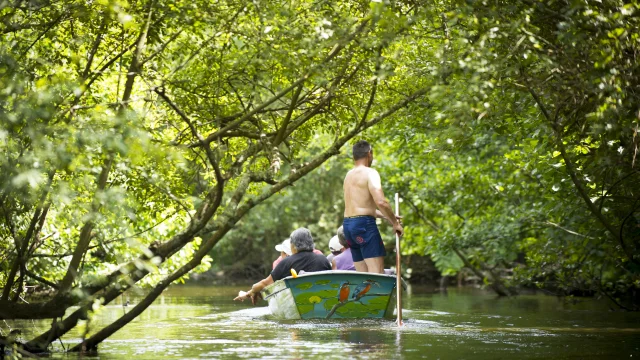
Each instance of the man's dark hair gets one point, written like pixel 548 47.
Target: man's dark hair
pixel 361 149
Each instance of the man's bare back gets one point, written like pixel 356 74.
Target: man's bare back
pixel 357 197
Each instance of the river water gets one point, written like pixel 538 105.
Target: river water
pixel 197 322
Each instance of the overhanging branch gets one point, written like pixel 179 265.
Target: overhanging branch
pixel 332 54
pixel 571 170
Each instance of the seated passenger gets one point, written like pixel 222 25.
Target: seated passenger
pixel 335 247
pixel 302 258
pixel 344 261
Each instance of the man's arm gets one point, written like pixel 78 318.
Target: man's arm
pixel 255 290
pixel 375 189
pixel 380 215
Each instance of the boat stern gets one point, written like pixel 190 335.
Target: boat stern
pixel 332 295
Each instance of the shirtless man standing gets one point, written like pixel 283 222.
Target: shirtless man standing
pixel 362 194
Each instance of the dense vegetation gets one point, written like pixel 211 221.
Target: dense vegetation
pixel 136 135
pixel 520 163
pixel 526 159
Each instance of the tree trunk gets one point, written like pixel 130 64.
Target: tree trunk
pixel 103 334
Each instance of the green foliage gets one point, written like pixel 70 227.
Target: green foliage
pixel 524 156
pixel 136 135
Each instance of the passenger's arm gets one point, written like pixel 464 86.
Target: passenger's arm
pixel 333 264
pixel 375 189
pixel 254 293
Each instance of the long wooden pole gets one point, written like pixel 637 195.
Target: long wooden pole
pixel 398 270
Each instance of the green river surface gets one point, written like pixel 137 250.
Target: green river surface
pixel 197 322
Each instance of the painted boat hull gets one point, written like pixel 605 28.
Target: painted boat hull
pixel 317 296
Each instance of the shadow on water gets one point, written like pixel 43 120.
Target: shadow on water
pixel 196 322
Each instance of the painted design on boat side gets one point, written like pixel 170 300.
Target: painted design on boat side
pixel 342 296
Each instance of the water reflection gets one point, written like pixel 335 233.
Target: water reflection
pixel 370 341
pixel 203 322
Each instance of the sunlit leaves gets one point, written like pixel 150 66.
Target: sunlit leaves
pixel 482 163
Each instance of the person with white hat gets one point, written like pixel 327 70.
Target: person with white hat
pixel 285 250
pixel 335 247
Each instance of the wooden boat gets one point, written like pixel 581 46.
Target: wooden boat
pixel 333 294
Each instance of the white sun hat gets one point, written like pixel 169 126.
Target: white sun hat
pixel 334 244
pixel 285 246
